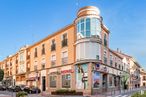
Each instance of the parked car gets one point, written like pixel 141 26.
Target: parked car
pixel 27 89
pixel 22 87
pixel 2 88
pixel 14 88
pixel 35 90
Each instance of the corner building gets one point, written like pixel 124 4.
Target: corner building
pixel 77 57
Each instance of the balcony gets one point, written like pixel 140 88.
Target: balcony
pixel 28 57
pixel 53 63
pixel 28 69
pixel 64 60
pixel 53 47
pixel 64 42
pixel 43 51
pixel 43 66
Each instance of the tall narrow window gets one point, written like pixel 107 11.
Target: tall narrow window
pixel 105 40
pixel 53 60
pixel 64 40
pixel 88 27
pixel 64 58
pixel 53 45
pixel 111 60
pixel 82 26
pixel 43 49
pixel 35 53
pixel 53 80
pixel 66 81
pixel 105 58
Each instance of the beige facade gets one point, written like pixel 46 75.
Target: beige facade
pixel 142 78
pixel 76 57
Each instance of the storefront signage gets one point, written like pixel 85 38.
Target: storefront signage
pixel 67 71
pixel 55 72
pixel 97 67
pixel 104 69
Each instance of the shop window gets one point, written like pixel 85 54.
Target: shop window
pixel 53 81
pixel 110 80
pixel 96 79
pixel 66 81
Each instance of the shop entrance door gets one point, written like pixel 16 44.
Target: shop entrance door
pixel 43 83
pixel 104 83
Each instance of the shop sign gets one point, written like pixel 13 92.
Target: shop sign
pixel 55 72
pixel 104 69
pixel 97 67
pixel 67 71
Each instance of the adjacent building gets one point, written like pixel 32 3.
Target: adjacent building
pixel 75 57
pixel 142 78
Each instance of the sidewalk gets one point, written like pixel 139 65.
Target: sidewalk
pixel 107 94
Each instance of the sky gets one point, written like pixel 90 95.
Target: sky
pixel 25 22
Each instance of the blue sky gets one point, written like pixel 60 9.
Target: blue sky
pixel 27 21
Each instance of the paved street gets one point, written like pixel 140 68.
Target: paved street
pixel 108 94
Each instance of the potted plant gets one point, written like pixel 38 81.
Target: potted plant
pixel 21 94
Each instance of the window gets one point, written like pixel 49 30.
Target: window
pixel 66 81
pixel 53 45
pixel 115 64
pixel 64 58
pixel 105 40
pixel 64 40
pixel 21 56
pixel 105 58
pixel 110 80
pixel 53 60
pixel 43 49
pixel 35 66
pixel 53 81
pixel 82 26
pixel 43 63
pixel 115 80
pixel 35 52
pixel 89 27
pixel 111 61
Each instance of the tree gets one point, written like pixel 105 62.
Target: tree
pixel 1 74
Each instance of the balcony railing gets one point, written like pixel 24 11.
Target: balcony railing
pixel 64 42
pixel 53 47
pixel 53 63
pixel 28 57
pixel 28 69
pixel 43 66
pixel 64 60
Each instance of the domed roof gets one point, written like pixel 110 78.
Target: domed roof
pixel 88 10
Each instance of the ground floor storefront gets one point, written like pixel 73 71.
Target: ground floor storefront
pixel 89 78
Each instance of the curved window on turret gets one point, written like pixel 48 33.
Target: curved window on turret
pixel 88 27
